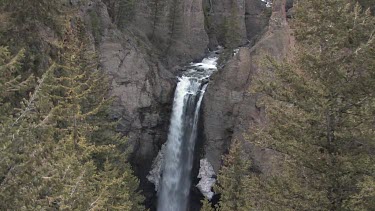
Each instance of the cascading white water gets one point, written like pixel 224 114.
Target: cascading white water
pixel 178 161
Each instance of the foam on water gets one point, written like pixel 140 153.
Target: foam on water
pixel 175 183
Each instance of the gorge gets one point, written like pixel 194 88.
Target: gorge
pixel 187 105
pixel 144 85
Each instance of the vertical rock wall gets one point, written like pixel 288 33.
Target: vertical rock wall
pixel 244 19
pixel 141 58
pixel 225 18
pixel 229 109
pixel 139 55
pixel 174 27
pixel 256 19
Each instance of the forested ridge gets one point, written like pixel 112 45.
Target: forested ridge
pixel 59 148
pixel 320 105
pixel 62 144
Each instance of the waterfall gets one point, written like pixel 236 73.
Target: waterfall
pixel 178 161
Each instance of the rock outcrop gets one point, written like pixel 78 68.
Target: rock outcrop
pixel 256 19
pixel 238 22
pixel 175 28
pixel 226 20
pixel 229 109
pixel 155 173
pixel 141 86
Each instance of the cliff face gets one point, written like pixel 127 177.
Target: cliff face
pixel 175 28
pixel 142 56
pixel 239 21
pixel 229 108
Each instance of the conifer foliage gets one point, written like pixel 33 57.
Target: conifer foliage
pixel 58 148
pixel 232 179
pixel 320 105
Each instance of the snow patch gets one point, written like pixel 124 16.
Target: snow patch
pixel 156 169
pixel 207 178
pixel 268 3
pixel 235 51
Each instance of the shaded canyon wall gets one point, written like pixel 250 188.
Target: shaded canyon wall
pixel 229 109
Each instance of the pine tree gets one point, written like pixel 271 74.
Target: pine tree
pixel 22 23
pixel 20 149
pixel 288 191
pixel 320 107
pixel 11 81
pixel 25 11
pixel 363 200
pixel 60 151
pixel 14 86
pixel 368 4
pixel 79 91
pixel 206 205
pixel 231 180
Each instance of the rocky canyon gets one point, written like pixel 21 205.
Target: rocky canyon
pixel 145 50
pixel 185 105
pixel 144 54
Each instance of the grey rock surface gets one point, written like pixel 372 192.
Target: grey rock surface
pixel 289 4
pixel 229 110
pixel 155 173
pixel 141 87
pixel 141 60
pixel 246 19
pixel 256 19
pixel 175 28
pixel 225 18
pixel 143 90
